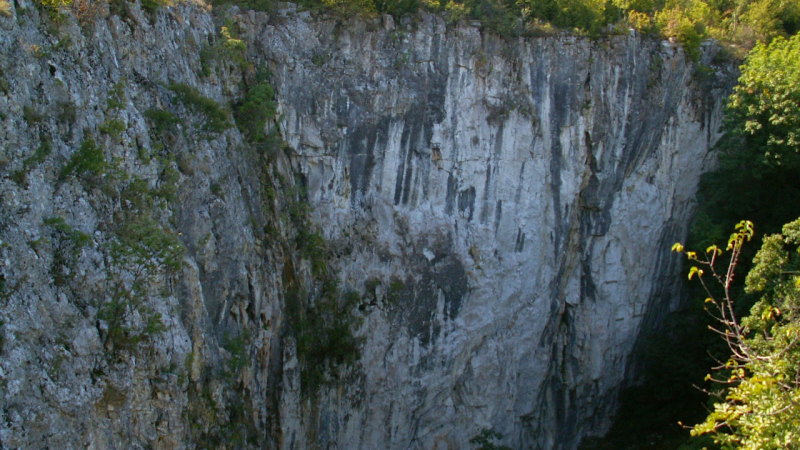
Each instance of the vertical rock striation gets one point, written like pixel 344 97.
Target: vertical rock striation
pixel 522 194
pixel 502 208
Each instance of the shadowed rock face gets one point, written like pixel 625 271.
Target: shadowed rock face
pixel 504 208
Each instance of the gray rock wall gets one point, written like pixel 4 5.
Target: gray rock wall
pixel 503 208
pixel 525 192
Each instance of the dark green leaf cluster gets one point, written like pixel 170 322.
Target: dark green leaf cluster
pixel 162 120
pixel 237 347
pixel 143 242
pixel 216 117
pixel 322 322
pixel 39 156
pixel 485 440
pixel 68 243
pixel 759 164
pixel 88 163
pixel 256 108
pixel 324 333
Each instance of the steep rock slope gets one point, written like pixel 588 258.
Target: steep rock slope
pixel 496 217
pixel 522 195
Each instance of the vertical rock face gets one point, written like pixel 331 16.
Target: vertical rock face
pixel 503 208
pixel 521 194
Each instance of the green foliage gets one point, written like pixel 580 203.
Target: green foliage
pixel 758 410
pixel 396 287
pixel 237 350
pixel 322 322
pixel 228 48
pixel 678 24
pixel 116 96
pixel 54 7
pixel 162 120
pixel 39 156
pixel 216 117
pixel 758 156
pixel 77 238
pixel 766 103
pixel 152 6
pixel 499 16
pixel 141 248
pixel 54 3
pixel 216 189
pixel 485 440
pixel 587 16
pixel 5 87
pixel 88 163
pixel 112 127
pixel 129 322
pixel 67 113
pixel 31 116
pixel 255 109
pixel 68 245
pixel 324 333
pixel 142 243
pixel 313 247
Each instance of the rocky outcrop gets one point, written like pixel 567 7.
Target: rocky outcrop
pixel 498 210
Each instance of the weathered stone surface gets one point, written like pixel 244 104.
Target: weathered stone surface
pixel 525 192
pixel 505 208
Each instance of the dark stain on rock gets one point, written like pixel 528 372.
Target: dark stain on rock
pixel 485 208
pixel 452 186
pixel 498 214
pixel 466 201
pixel 414 299
pixel 519 244
pixel 361 151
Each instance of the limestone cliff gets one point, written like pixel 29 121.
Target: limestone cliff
pixel 496 215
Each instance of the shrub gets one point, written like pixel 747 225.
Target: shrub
pixel 152 6
pixel 116 96
pixel 216 117
pixel 39 156
pixel 31 116
pixel 255 109
pixel 237 349
pixel 228 48
pixel 162 120
pixel 88 162
pixel 69 243
pixel 112 127
pixel 675 23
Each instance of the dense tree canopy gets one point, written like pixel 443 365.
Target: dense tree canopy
pixel 740 23
pixel 759 177
pixel 759 407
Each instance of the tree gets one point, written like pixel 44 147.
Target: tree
pixel 766 103
pixel 759 407
pixel 759 155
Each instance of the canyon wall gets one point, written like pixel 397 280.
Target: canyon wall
pixel 498 212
